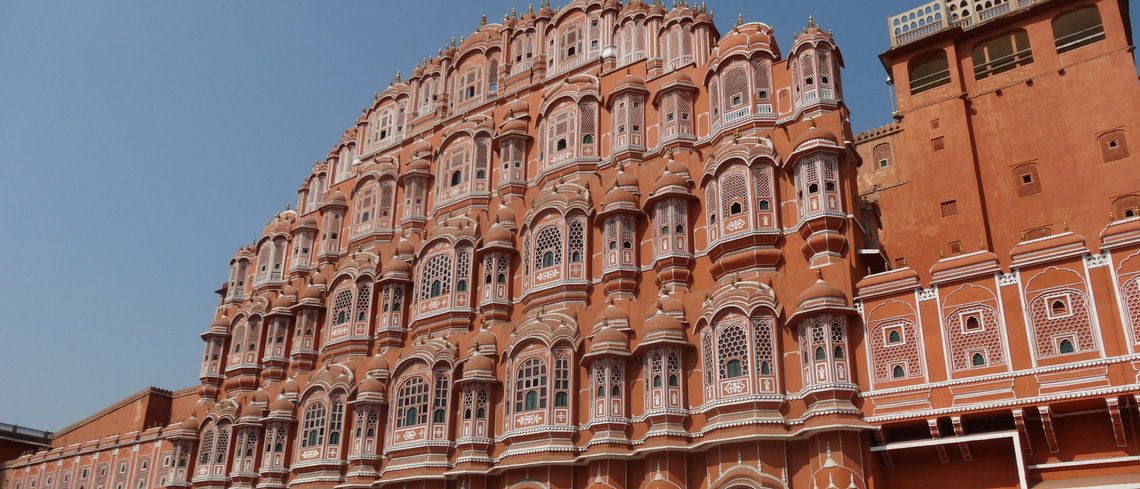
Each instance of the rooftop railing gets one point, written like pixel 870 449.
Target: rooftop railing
pixel 933 17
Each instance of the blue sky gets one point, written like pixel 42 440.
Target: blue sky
pixel 141 143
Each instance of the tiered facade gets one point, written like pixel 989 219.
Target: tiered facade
pixel 607 246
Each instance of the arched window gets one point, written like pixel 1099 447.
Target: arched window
pixel 978 360
pixel 436 276
pixel 928 70
pixel 530 385
pixel 456 177
pixel 733 369
pixel 972 324
pixel 313 425
pixel 336 421
pixel 897 372
pixel 1058 308
pixel 1002 53
pixel 894 337
pixel 1078 28
pixel 820 354
pixel 1066 346
pixel 837 353
pixel 732 346
pixel 561 144
pixel 411 402
pixel 561 380
pixel 548 247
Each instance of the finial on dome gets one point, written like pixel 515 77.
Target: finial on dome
pixel 941 253
pixel 811 122
pixel 483 21
pixel 398 76
pixel 530 8
pixel 1066 226
pixel 739 20
pixel 452 41
pixel 819 274
pixel 811 21
pixel 736 136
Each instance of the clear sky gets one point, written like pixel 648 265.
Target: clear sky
pixel 142 142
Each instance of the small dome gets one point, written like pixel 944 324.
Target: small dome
pixel 618 196
pixel 281 404
pixel 397 265
pixel 405 246
pixel 669 179
pixel 289 289
pixel 680 78
pixel 371 386
pixel 422 146
pixel 815 133
pixel 613 313
pixel 663 322
pixel 338 198
pixel 485 337
pixel 518 108
pixel 515 125
pixel 419 165
pixel 676 167
pixel 308 223
pixel 250 410
pixel 478 363
pixel 821 289
pixel 624 179
pixel 505 214
pixel 609 335
pixel 290 387
pixel 318 278
pixel 260 395
pixel 498 232
pixel 190 423
pixel 378 363
pixel 310 293
pixel 222 322
pixel 282 300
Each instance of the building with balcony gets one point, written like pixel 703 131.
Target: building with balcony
pixel 610 246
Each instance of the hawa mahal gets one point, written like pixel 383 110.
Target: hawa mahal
pixel 608 246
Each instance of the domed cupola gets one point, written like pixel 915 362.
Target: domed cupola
pixel 814 63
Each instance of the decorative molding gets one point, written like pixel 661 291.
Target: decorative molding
pixel 928 294
pixel 1097 260
pixel 1006 279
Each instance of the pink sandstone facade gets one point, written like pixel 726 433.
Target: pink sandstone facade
pixel 609 246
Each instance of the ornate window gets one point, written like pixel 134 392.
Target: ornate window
pixel 313 425
pixel 608 389
pixel 1061 323
pixel 435 279
pixel 630 41
pixel 620 243
pixel 571 45
pixel 548 247
pixel 561 380
pixel 512 152
pixel 895 350
pixel 1078 28
pixel 302 250
pixel 817 185
pixel 271 261
pixel 364 206
pixel 928 70
pixel 1027 180
pixel 1113 146
pixel 676 109
pixel 530 386
pixel 883 155
pixel 475 411
pixel 439 400
pixel 628 121
pixel 330 233
pixel 523 49
pixel 663 379
pixel 412 403
pixel 739 357
pixel 823 350
pixel 1002 54
pixel 238 271
pixel 470 85
pixel 344 162
pixel 670 226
